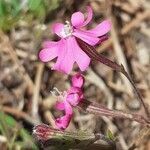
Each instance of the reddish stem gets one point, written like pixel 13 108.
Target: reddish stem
pixel 93 54
pixel 98 109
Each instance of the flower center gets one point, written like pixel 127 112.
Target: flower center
pixel 58 94
pixel 67 30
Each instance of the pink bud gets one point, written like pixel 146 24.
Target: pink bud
pixel 75 95
pixel 63 122
pixel 43 132
pixel 77 80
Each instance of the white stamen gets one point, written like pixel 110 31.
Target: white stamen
pixel 67 30
pixel 55 92
pixel 58 94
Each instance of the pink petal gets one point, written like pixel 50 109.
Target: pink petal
pixel 60 105
pixel 68 108
pixel 101 29
pixel 73 99
pixel 63 122
pixel 48 54
pixel 81 58
pixel 57 28
pixel 77 19
pixel 89 16
pixel 47 44
pixel 64 105
pixel 75 95
pixel 87 37
pixel 77 80
pixel 65 59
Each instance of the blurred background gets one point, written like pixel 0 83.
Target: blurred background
pixel 25 82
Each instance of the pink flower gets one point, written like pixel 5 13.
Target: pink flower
pixel 66 50
pixel 63 122
pixel 69 99
pixel 77 80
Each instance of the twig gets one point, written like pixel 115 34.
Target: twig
pixel 120 57
pixel 6 45
pixel 139 139
pixel 3 139
pixel 126 29
pixel 35 99
pixel 19 114
pixel 106 44
pixel 122 142
pixel 135 22
pixel 146 107
pixel 94 78
pixel 49 118
pixel 48 102
pixel 125 6
pixel 113 128
pixel 24 54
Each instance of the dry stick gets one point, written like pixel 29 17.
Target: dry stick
pixel 104 45
pixel 35 99
pixel 145 132
pixel 92 53
pixel 127 28
pixel 24 54
pixel 98 109
pixel 126 7
pixel 120 57
pixel 49 118
pixel 140 17
pixel 114 129
pixel 146 107
pixel 8 47
pixel 19 114
pixel 96 80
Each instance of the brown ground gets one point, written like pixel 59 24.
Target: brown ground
pixel 25 82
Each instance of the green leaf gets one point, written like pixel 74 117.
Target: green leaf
pixel 110 135
pixel 34 4
pixel 15 7
pixel 2 8
pixel 52 4
pixel 8 123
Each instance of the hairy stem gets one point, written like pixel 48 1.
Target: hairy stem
pixel 146 108
pixel 93 54
pixel 100 110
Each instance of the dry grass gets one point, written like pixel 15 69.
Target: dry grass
pixel 25 82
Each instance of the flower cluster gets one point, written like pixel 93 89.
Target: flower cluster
pixel 68 51
pixel 69 99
